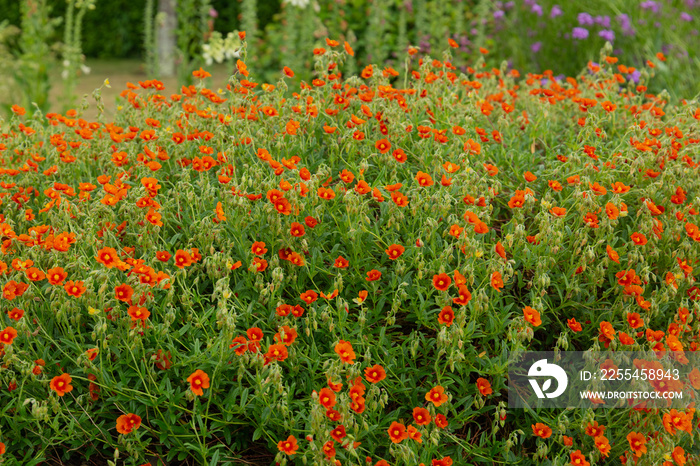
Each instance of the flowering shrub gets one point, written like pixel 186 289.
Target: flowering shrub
pixel 338 276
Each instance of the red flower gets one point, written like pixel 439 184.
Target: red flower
pixel 127 423
pixel 397 432
pixel 442 281
pixel 61 384
pixel 375 374
pixel 436 395
pixel 421 416
pixel 288 446
pixel 446 316
pixel 394 251
pixel 198 381
pixel 345 351
pixel 484 386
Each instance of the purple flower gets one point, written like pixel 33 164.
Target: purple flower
pixel 650 5
pixel 607 34
pixel 213 13
pixel 625 24
pixel 579 33
pixel 603 21
pixel 584 19
pixel 509 5
pixel 536 9
pixel 556 11
pixel 686 17
pixel 635 76
pixel 536 47
pixel 498 14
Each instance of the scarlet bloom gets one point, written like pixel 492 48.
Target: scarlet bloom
pixel 436 395
pixel 8 335
pixel 541 430
pixel 75 289
pixel 442 281
pixel 497 281
pixel 532 316
pixel 637 443
pixel 258 248
pixel 421 416
pixel 373 275
pixel 578 459
pixel 484 386
pixel 297 229
pixel 397 432
pixel 573 325
pixel 446 316
pixel 288 446
pixel 326 397
pixel 56 275
pixel 309 296
pixel 107 257
pixel 383 146
pixel 341 263
pixel 61 384
pixel 163 256
pixel 182 259
pixel 138 313
pixel 394 251
pixel 424 179
pixel 127 423
pixel 639 239
pixel 198 380
pixel 345 351
pixel 441 421
pixel 123 292
pixel 375 374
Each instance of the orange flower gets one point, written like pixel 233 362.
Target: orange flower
pixel 383 146
pixel 578 459
pixel 484 386
pixel 394 251
pixel 107 257
pixel 258 248
pixel 8 335
pixel 436 395
pixel 497 281
pixel 309 296
pixel 441 421
pixel 446 316
pixel 127 423
pixel 558 211
pixel 375 374
pixel 637 443
pixel 373 275
pixel 182 259
pixel 442 281
pixel 612 254
pixel 123 292
pixel 138 313
pixel 397 432
pixel 326 397
pixel 532 316
pixel 421 416
pixel 345 351
pixel 341 263
pixel 542 430
pixel 75 289
pixel 529 177
pixel 56 275
pixel 638 239
pixel 61 384
pixel 424 179
pixel 198 380
pixel 288 446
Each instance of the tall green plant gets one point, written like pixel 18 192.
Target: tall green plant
pixel 149 41
pixel 33 56
pixel 72 52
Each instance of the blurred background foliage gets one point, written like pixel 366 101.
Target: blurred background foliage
pixel 532 35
